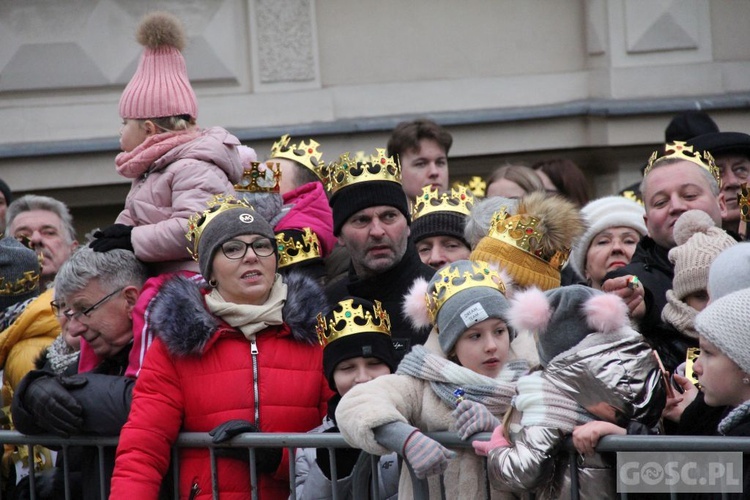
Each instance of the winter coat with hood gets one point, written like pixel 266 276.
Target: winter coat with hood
pixel 174 175
pixel 200 373
pixel 612 375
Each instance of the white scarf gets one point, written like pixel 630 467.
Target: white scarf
pixel 250 319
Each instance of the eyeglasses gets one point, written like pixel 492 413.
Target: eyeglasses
pixel 59 309
pixel 236 249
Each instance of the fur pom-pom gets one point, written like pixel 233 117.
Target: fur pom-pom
pixel 606 312
pixel 560 221
pixel 415 305
pixel 161 28
pixel 530 310
pixel 691 222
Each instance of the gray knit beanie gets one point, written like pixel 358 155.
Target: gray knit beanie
pixel 730 271
pixel 225 226
pixel 724 323
pixel 19 273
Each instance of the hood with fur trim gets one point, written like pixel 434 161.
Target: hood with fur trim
pixel 180 318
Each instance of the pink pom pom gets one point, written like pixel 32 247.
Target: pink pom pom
pixel 530 310
pixel 606 313
pixel 415 305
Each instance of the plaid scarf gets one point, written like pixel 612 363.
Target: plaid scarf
pixel 446 377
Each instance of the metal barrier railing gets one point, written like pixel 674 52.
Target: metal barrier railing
pixel 367 482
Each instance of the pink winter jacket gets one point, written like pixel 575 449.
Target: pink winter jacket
pixel 310 209
pixel 173 177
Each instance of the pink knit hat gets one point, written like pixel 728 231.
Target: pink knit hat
pixel 160 86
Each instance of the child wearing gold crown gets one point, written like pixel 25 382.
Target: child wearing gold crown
pixel 357 348
pixel 461 380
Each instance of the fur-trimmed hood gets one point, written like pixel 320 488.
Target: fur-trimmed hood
pixel 180 318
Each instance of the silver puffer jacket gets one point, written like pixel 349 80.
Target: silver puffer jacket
pixel 614 377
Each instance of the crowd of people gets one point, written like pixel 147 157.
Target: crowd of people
pixel 365 294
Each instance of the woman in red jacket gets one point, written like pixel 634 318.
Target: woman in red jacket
pixel 239 356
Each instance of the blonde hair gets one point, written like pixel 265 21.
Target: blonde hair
pixel 522 175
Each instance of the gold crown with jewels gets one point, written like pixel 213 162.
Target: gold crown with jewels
pixel 679 150
pixel 306 153
pixel 347 171
pixel 25 284
pixel 458 200
pixel 255 180
pixel 198 221
pixel 451 281
pixel 352 320
pixel 521 232
pixel 295 248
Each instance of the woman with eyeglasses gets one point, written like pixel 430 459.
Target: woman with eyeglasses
pixel 239 355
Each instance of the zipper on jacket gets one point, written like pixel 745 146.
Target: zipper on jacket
pixel 194 490
pixel 254 355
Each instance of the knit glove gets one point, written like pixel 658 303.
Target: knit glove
pixel 346 459
pixel 54 409
pixel 111 237
pixel 497 440
pixel 426 456
pixel 472 417
pixel 267 460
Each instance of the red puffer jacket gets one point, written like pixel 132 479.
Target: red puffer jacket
pixel 198 374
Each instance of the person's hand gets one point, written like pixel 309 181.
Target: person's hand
pixel 54 409
pixel 346 459
pixel 267 460
pixel 497 440
pixel 586 436
pixel 472 417
pixel 676 405
pixel 426 456
pixel 630 289
pixel 111 237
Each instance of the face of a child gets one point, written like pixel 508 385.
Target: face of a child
pixel 483 348
pixel 697 300
pixel 720 377
pixel 132 134
pixel 359 370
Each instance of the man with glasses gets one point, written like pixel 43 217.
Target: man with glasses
pixel 96 294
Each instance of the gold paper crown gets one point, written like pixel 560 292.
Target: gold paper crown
pixel 476 186
pixel 743 200
pixel 198 221
pixel 297 248
pixel 347 171
pixel 682 151
pixel 306 154
pixel 521 232
pixel 255 181
pixel 356 319
pixel 25 284
pixel 458 200
pixel 451 281
pixel 632 196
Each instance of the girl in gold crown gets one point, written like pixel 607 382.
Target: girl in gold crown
pixel 461 380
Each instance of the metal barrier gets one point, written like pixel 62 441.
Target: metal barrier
pixel 366 483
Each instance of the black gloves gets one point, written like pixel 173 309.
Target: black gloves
pixel 346 459
pixel 111 237
pixel 267 460
pixel 53 408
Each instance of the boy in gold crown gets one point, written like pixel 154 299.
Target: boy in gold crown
pixel 438 222
pixel 357 348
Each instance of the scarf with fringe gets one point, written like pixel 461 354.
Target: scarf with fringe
pixel 446 377
pixel 542 404
pixel 250 319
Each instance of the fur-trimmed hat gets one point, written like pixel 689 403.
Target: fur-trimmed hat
pixel 730 271
pixel 19 273
pixel 459 295
pixel 724 323
pixel 562 317
pixel 601 214
pixel 558 224
pixel 160 86
pixel 374 343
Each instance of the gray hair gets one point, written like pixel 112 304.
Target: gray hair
pixel 671 161
pixel 30 202
pixel 114 269
pixel 478 220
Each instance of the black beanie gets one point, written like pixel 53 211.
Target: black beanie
pixel 439 224
pixel 355 197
